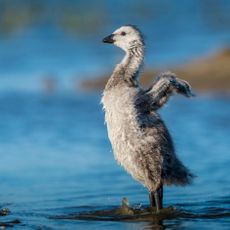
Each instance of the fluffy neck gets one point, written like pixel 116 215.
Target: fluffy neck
pixel 128 70
pixel 133 60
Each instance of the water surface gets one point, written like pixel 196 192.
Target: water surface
pixel 56 160
pixel 62 40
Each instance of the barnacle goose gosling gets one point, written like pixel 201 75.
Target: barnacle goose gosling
pixel 140 140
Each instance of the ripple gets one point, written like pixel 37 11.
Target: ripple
pixel 142 214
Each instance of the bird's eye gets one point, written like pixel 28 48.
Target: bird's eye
pixel 123 33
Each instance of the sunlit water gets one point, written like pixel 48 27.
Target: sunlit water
pixel 56 160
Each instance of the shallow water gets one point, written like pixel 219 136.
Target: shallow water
pixel 56 161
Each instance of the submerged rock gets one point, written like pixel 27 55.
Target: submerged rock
pixel 124 213
pixel 125 209
pixel 4 212
pixel 10 223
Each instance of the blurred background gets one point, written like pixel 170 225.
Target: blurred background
pixel 54 151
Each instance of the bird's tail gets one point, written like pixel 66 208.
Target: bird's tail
pixel 179 175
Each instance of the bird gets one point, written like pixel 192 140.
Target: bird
pixel 140 140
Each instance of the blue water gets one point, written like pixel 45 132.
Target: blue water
pixel 44 45
pixel 56 160
pixel 55 155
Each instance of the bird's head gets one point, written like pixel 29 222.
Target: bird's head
pixel 126 37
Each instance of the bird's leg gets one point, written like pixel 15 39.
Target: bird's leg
pixel 157 198
pixel 152 200
pixel 157 201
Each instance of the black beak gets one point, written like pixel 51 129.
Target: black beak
pixel 109 39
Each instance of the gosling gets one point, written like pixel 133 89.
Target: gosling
pixel 140 141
